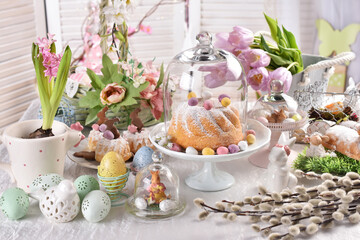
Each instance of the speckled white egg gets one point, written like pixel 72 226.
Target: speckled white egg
pixel 96 206
pixel 140 203
pixel 167 205
pixel 243 145
pixel 191 151
pixel 206 95
pixel 45 181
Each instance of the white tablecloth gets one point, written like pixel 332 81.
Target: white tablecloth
pixel 121 225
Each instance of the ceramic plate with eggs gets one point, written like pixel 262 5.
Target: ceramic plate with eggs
pixel 79 160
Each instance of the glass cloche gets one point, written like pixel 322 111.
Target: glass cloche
pixel 156 193
pixel 277 108
pixel 205 100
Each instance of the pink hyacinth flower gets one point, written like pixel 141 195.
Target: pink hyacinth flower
pixel 257 58
pixel 258 78
pixel 283 75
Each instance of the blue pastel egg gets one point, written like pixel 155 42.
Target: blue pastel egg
pixel 142 158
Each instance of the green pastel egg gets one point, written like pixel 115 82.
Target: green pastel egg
pixel 45 181
pixel 14 203
pixel 85 184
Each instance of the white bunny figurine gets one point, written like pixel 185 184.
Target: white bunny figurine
pixel 278 173
pixel 316 149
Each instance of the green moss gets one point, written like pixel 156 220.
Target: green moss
pixel 338 166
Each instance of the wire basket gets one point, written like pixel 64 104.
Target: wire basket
pixel 114 185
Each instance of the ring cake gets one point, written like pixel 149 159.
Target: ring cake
pixel 198 127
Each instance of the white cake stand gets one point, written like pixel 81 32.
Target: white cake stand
pixel 261 158
pixel 210 178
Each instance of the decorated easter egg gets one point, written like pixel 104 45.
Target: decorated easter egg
pixel 167 205
pixel 296 117
pixel 191 150
pixel 112 165
pixel 96 206
pixel 14 203
pixel 193 101
pixel 85 184
pixel 45 181
pixel 191 95
pixel 225 101
pixel 142 158
pixel 140 203
pixel 222 150
pixel 233 148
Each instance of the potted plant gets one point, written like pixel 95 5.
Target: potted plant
pixel 38 146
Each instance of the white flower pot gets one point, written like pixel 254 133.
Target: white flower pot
pixel 31 158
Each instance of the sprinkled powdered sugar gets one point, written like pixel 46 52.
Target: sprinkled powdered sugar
pixel 194 114
pixel 344 134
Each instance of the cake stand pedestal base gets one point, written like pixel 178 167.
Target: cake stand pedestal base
pixel 210 179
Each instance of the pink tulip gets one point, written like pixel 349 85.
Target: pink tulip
pixel 241 37
pixel 258 78
pixel 112 93
pixel 257 58
pixel 223 43
pixel 218 76
pixel 283 75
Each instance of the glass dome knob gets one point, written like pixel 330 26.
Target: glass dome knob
pixel 157 157
pixel 204 38
pixel 276 87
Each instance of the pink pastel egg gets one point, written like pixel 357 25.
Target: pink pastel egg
pixel 95 127
pixel 176 147
pixel 263 120
pixel 208 104
pixel 222 150
pixel 250 132
pixel 102 128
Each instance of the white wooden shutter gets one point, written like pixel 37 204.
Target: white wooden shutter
pixel 17 76
pixel 297 16
pixel 167 27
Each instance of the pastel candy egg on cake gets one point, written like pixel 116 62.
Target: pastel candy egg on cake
pixel 222 150
pixel 233 148
pixel 208 151
pixel 243 145
pixel 191 150
pixel 250 138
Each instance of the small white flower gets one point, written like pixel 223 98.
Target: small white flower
pixel 220 206
pixel 314 202
pixel 285 220
pixel 352 175
pixel 232 216
pixel 347 199
pixel 340 193
pixel 265 218
pixel 198 202
pixel 316 220
pixel 294 230
pixel 338 216
pixel 235 208
pixel 298 173
pixel 300 189
pixel 354 218
pixel 312 228
pixel 274 221
pixel 262 190
pixel 329 183
pixel 326 176
pixel 239 203
pixel 256 199
pixel 274 236
pixel 203 215
pixel 265 206
pixel 276 196
pixel 256 227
